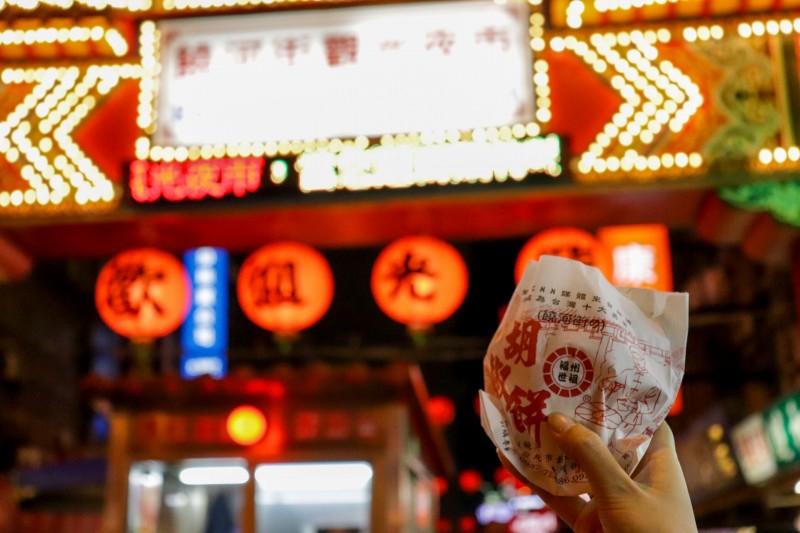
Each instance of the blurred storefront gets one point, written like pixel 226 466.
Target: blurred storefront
pixel 345 448
pixel 208 130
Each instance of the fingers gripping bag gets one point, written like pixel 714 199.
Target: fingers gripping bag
pixel 611 358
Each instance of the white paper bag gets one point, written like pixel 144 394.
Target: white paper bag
pixel 610 358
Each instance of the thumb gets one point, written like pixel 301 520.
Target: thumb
pixel 605 475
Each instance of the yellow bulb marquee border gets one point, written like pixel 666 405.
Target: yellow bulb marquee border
pixel 37 137
pixel 148 45
pixel 657 95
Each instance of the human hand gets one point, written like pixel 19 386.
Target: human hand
pixel 653 500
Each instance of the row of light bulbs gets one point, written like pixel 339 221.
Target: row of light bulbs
pixel 778 158
pixel 167 5
pixel 759 28
pixel 612 5
pixel 285 148
pixel 634 162
pixel 576 8
pixel 576 14
pixel 100 5
pixel 75 34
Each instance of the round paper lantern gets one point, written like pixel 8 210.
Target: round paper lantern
pixel 143 293
pixel 285 287
pixel 470 481
pixel 419 281
pixel 571 243
pixel 441 410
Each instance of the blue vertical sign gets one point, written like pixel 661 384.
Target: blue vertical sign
pixel 204 335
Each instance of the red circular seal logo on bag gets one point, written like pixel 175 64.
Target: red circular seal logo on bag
pixel 568 372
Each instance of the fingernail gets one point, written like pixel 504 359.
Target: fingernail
pixel 560 423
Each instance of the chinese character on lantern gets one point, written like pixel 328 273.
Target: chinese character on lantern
pixel 419 281
pixel 285 287
pixel 143 293
pixel 571 243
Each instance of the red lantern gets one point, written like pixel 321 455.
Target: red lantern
pixel 440 484
pixel 419 281
pixel 466 524
pixel 677 406
pixel 285 287
pixel 441 410
pixel 143 293
pixel 470 481
pixel 571 243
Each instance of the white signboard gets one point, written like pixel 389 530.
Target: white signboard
pixel 344 72
pixel 752 449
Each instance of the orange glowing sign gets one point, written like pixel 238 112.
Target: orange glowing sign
pixel 419 281
pixel 246 425
pixel 143 293
pixel 571 243
pixel 285 287
pixel 641 255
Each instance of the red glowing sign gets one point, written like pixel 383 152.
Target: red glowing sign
pixel 176 181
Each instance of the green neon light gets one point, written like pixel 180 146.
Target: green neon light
pixel 781 199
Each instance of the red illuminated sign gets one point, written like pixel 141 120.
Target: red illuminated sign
pixel 177 181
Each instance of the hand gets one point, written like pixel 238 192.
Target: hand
pixel 653 500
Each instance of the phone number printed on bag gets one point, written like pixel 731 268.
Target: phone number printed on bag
pixel 568 372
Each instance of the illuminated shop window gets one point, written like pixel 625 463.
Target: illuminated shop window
pixel 313 497
pixel 190 496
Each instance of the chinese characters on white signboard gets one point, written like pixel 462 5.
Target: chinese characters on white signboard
pixel 373 70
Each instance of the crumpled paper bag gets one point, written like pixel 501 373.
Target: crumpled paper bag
pixel 611 358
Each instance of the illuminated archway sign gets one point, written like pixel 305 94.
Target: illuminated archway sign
pixel 419 281
pixel 143 294
pixel 571 243
pixel 285 287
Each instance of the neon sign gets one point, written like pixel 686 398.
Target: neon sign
pixel 352 167
pixel 204 335
pixel 194 180
pixel 393 166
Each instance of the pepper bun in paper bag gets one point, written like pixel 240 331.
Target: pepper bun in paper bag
pixel 611 358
